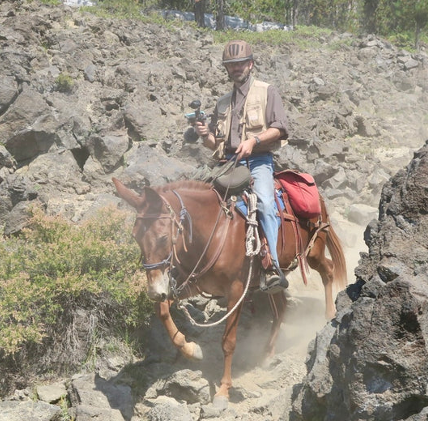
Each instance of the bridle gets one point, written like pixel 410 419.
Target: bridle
pixel 184 214
pixel 164 263
pixel 179 223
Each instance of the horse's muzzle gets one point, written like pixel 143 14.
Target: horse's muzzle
pixel 158 285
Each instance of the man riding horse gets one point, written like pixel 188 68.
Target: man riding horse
pixel 250 122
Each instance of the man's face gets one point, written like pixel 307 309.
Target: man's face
pixel 239 71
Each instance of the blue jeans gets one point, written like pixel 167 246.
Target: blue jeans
pixel 261 168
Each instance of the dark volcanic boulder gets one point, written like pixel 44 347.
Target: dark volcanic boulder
pixel 371 362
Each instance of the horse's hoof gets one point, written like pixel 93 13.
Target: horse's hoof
pixel 197 352
pixel 192 351
pixel 221 402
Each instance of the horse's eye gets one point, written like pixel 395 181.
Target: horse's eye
pixel 163 240
pixel 139 229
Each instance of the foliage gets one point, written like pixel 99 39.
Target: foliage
pixel 55 266
pixel 421 13
pixel 52 2
pixel 383 17
pixel 257 10
pixel 119 9
pixel 401 19
pixel 64 83
pixel 301 37
pixel 64 406
pixel 130 9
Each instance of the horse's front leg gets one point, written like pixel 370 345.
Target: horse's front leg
pixel 221 398
pixel 189 350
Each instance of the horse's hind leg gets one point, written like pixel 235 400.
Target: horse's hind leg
pixel 189 350
pixel 319 262
pixel 278 304
pixel 327 280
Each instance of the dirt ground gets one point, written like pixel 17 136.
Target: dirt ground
pixel 261 386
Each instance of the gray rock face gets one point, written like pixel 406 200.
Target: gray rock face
pixel 371 362
pixel 28 411
pixel 112 99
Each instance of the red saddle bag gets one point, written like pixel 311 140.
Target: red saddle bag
pixel 302 192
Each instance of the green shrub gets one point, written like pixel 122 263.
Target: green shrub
pixel 55 267
pixel 118 9
pixel 52 2
pixel 64 83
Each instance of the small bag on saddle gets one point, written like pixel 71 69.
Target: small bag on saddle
pixel 302 192
pixel 232 179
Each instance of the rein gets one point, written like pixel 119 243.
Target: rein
pixel 193 275
pixel 184 214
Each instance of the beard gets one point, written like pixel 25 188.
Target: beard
pixel 239 76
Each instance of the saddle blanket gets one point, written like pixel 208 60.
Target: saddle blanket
pixel 243 209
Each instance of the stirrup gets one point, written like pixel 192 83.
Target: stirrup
pixel 277 282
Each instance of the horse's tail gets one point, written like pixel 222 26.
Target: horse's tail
pixel 334 246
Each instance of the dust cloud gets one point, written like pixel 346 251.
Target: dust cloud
pixel 256 379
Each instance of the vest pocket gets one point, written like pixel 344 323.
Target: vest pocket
pixel 221 126
pixel 255 118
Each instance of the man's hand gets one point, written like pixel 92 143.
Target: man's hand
pixel 201 129
pixel 245 148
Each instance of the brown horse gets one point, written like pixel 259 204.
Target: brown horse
pixel 186 227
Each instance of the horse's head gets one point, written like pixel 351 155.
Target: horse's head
pixel 153 232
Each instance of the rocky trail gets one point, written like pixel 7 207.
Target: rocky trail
pixel 84 99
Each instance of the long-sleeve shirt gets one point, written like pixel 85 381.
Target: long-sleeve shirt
pixel 275 114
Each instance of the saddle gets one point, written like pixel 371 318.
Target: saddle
pixel 296 198
pixel 231 179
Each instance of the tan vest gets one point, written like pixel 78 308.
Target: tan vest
pixel 253 118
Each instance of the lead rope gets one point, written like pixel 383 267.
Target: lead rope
pixel 252 239
pixel 213 324
pixel 252 243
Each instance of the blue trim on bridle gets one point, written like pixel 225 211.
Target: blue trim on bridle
pixel 165 262
pixel 184 214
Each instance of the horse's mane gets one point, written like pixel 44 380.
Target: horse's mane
pixel 184 184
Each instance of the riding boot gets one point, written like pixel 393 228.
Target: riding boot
pixel 273 280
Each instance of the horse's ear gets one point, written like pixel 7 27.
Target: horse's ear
pixel 154 199
pixel 149 196
pixel 127 194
